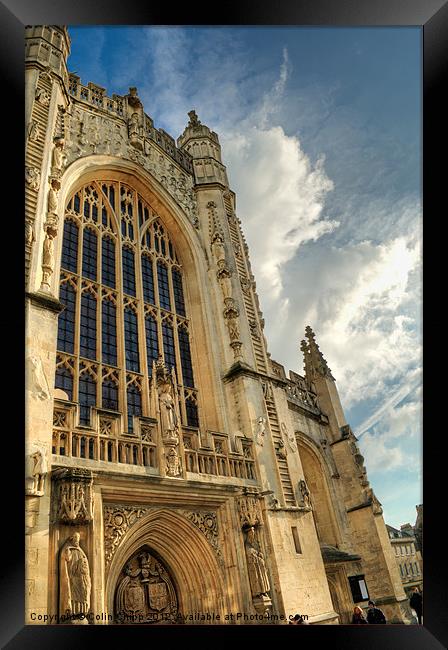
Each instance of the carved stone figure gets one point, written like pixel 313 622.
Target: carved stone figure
pixel 34 131
pixel 29 233
pixel 38 472
pixel 133 126
pixel 133 99
pixel 290 437
pixel 172 463
pixel 144 589
pixel 42 96
pixel 73 504
pixel 258 576
pixel 168 418
pixel 32 177
pixel 261 422
pixel 58 157
pixel 55 186
pixel 234 330
pixel 193 119
pixel 47 258
pixel 224 280
pixel 218 248
pixel 37 383
pixel 304 494
pixel 281 449
pixel 74 579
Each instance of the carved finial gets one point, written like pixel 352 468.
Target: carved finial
pixel 314 359
pixel 193 119
pixel 133 99
pixel 162 373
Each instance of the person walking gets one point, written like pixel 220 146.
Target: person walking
pixel 298 620
pixel 358 616
pixel 416 602
pixel 374 615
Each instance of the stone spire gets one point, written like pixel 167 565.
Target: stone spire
pixel 313 357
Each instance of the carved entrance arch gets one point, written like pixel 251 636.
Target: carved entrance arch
pixel 187 566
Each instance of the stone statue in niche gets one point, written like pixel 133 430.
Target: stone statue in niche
pixel 256 566
pixel 74 580
pixel 304 495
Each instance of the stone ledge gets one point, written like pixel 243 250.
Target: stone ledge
pixel 45 301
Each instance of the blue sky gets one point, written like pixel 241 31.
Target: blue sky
pixel 320 133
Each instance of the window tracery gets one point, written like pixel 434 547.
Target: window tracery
pixel 120 318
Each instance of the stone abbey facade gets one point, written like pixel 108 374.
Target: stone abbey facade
pixel 172 467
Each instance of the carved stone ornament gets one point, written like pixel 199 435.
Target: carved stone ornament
pixel 36 381
pixel 72 496
pixel 289 436
pixel 58 157
pixel 33 131
pixel 74 582
pixel 32 177
pixel 42 96
pixel 261 430
pixel 145 591
pixel 91 133
pixel 371 498
pixel 36 470
pixel 29 233
pixel 249 511
pixel 117 521
pixel 173 467
pixel 47 259
pixel 281 450
pixel 207 523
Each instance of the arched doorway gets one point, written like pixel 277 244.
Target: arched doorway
pixel 180 564
pixel 324 517
pixel 145 590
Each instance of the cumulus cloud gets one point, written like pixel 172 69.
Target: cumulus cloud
pixel 281 197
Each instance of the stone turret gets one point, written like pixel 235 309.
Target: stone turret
pixel 203 145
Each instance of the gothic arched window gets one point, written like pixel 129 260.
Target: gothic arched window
pixel 122 288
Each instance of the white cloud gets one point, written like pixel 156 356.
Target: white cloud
pixel 280 197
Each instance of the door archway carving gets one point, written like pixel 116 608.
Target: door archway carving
pixel 145 591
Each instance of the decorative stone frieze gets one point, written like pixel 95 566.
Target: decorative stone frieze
pixel 72 499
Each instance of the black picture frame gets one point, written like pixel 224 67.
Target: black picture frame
pixel 432 17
